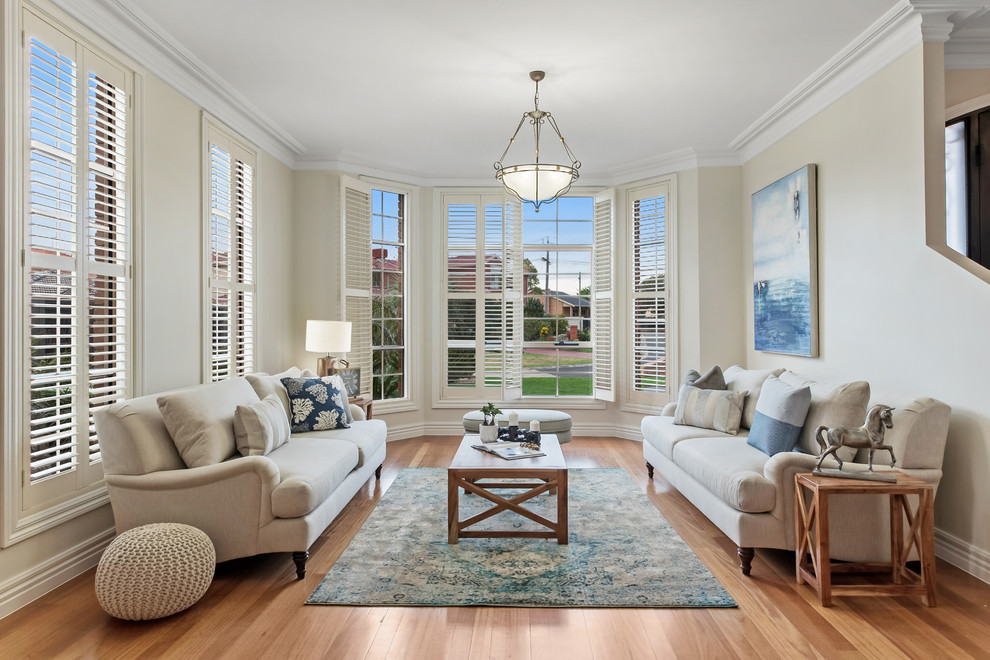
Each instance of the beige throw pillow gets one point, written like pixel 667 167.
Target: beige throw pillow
pixel 201 420
pixel 719 410
pixel 831 405
pixel 261 427
pixel 265 384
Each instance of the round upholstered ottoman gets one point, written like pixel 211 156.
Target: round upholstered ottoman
pixel 154 570
pixel 551 421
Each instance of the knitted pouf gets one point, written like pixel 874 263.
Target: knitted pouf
pixel 154 570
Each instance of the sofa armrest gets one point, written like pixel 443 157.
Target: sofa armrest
pixel 669 409
pixel 229 501
pixel 357 413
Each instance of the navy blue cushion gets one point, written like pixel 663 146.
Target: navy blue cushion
pixel 315 404
pixel 780 414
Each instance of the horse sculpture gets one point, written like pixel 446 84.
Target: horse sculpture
pixel 869 436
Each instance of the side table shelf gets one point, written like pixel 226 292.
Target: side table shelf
pixel 813 563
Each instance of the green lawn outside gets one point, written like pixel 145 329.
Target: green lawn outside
pixel 548 386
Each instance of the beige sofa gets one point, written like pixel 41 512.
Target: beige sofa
pixel 750 495
pixel 279 502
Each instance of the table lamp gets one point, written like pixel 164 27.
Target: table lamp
pixel 328 337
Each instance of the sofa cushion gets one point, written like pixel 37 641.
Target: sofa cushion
pixel 664 435
pixel 749 380
pixel 831 405
pixel 710 409
pixel 261 427
pixel 201 420
pixel 310 469
pixel 780 414
pixel 265 384
pixel 730 469
pixel 710 380
pixel 368 436
pixel 316 404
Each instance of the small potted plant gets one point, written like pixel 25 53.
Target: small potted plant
pixel 488 428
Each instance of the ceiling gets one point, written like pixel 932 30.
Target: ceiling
pixel 435 88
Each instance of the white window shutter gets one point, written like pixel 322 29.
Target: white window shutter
pixel 77 239
pixel 355 213
pixel 649 292
pixel 603 294
pixel 513 292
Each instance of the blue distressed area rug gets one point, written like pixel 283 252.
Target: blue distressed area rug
pixel 620 553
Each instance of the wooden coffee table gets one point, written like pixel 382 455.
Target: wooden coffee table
pixel 543 474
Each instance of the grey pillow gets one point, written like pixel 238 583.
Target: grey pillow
pixel 710 380
pixel 201 420
pixel 719 410
pixel 261 427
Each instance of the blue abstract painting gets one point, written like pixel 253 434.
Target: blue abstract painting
pixel 785 269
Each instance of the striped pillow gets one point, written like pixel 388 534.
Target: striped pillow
pixel 719 410
pixel 780 414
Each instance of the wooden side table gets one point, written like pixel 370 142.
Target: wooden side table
pixel 362 402
pixel 812 561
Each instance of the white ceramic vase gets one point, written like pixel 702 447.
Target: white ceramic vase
pixel 488 433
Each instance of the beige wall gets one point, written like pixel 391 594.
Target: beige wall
pixel 893 311
pixel 966 84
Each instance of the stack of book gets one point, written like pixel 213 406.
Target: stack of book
pixel 510 451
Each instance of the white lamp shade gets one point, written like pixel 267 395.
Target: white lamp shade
pixel 553 180
pixel 328 336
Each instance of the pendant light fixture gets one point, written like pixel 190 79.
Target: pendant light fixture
pixel 537 183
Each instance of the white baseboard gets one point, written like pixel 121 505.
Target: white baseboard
pixel 966 556
pixel 407 431
pixel 35 582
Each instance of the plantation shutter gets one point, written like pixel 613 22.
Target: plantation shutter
pixel 649 266
pixel 513 300
pixel 77 257
pixel 231 265
pixel 460 354
pixel 603 295
pixel 355 212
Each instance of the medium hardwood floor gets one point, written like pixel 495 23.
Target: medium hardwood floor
pixel 254 607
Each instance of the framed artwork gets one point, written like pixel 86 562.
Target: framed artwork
pixel 352 380
pixel 785 265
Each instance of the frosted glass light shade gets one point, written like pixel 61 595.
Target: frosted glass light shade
pixel 328 336
pixel 538 182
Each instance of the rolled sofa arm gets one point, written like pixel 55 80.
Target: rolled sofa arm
pixel 669 409
pixel 229 501
pixel 357 413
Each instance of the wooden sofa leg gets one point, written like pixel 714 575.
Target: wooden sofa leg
pixel 649 469
pixel 745 559
pixel 378 472
pixel 300 559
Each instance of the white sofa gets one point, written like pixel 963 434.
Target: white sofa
pixel 247 505
pixel 750 495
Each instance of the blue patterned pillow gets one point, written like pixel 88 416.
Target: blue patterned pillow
pixel 780 413
pixel 315 404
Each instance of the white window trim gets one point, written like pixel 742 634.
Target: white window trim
pixel 648 402
pixel 411 358
pixel 211 124
pixel 18 522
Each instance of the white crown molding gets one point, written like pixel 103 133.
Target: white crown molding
pixel 142 39
pixel 887 39
pixel 38 580
pixel 968 49
pixel 963 555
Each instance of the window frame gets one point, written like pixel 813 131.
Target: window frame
pixel 409 361
pixel 239 150
pixel 439 297
pixel 24 514
pixel 637 401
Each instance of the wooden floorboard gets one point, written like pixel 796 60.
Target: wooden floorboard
pixel 254 608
